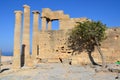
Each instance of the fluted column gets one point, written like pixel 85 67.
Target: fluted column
pixel 26 35
pixel 43 19
pixel 35 33
pixel 17 34
pixel 50 25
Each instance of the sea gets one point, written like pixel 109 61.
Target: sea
pixel 7 53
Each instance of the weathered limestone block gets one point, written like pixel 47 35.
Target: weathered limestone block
pixel 66 24
pixel 26 35
pixel 80 59
pixel 53 60
pixel 75 60
pixel 44 22
pixel 46 12
pixel 35 34
pixel 17 46
pixel 64 17
pixel 70 22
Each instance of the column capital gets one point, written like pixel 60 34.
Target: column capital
pixel 26 6
pixel 18 11
pixel 36 12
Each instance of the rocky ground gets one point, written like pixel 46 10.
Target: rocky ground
pixel 59 71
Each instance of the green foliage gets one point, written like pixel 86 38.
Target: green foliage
pixel 86 35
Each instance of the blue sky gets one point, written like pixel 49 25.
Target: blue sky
pixel 107 11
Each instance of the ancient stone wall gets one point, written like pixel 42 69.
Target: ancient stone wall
pixel 112 44
pixel 53 44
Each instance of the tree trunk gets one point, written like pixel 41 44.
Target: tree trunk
pixel 101 54
pixel 102 57
pixel 91 59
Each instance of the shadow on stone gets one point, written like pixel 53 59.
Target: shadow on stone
pixel 23 56
pixel 4 70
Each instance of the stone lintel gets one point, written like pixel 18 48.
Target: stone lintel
pixel 36 12
pixel 18 11
pixel 47 18
pixel 26 6
pixel 43 17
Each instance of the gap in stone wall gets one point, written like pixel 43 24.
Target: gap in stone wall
pixel 46 25
pixel 39 26
pixel 55 25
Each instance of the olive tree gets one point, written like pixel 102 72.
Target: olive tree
pixel 85 36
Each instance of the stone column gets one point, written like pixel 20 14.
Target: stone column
pixel 35 33
pixel 50 25
pixel 26 35
pixel 43 19
pixel 17 35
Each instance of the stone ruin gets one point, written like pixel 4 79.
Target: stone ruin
pixel 51 45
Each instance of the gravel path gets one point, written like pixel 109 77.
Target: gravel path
pixel 57 71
